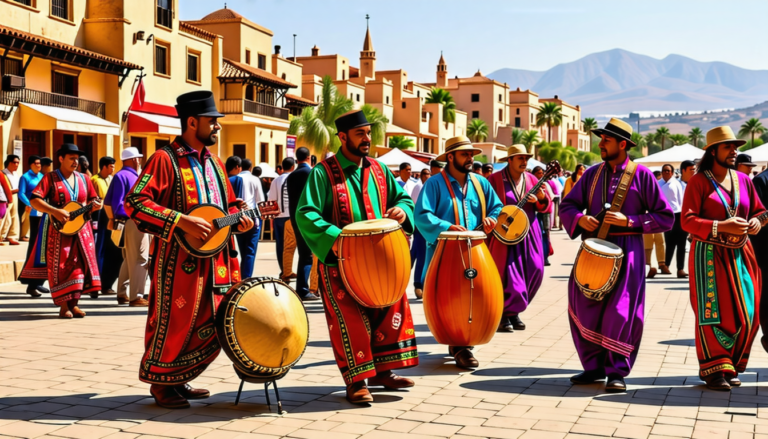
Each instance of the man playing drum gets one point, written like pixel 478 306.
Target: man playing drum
pixel 368 343
pixel 436 213
pixel 521 266
pixel 607 333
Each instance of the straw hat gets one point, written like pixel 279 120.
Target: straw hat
pixel 618 129
pixel 458 143
pixel 514 150
pixel 724 134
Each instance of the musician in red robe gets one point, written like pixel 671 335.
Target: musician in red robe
pixel 180 337
pixel 68 262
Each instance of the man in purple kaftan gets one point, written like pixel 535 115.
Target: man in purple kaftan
pixel 521 266
pixel 607 333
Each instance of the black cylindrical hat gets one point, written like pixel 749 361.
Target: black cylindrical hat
pixel 197 103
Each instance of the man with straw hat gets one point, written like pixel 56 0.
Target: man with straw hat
pixel 720 208
pixel 368 343
pixel 435 212
pixel 521 266
pixel 607 333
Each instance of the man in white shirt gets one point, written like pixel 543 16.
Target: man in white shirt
pixel 687 171
pixel 676 238
pixel 279 192
pixel 248 242
pixel 418 244
pixel 9 226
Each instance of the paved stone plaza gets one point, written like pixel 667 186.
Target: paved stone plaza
pixel 79 379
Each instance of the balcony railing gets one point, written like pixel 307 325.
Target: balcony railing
pixel 27 96
pixel 240 106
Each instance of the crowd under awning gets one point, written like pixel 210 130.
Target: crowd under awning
pixel 46 118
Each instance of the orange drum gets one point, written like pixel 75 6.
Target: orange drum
pixel 374 262
pixel 463 294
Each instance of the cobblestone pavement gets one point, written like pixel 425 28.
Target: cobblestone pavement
pixel 78 379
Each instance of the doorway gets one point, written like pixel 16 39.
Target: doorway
pixel 32 143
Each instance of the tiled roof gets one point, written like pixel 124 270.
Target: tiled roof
pixel 229 16
pixel 234 69
pixel 196 31
pixel 306 101
pixel 222 14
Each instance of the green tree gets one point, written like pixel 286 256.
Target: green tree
pixel 441 96
pixel 749 145
pixel 401 142
pixel 695 136
pixel 589 124
pixel 752 128
pixel 378 122
pixel 568 156
pixel 477 130
pixel 531 140
pixel 517 136
pixel 316 127
pixel 549 115
pixel 662 133
pixel 586 157
pixel 678 139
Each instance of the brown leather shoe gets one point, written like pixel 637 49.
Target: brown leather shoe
pixel 664 269
pixel 734 381
pixel 167 397
pixel 682 274
pixel 32 291
pixel 188 392
pixel 651 273
pixel 109 292
pixel 357 393
pixel 122 300
pixel 419 293
pixel 138 302
pixel 717 382
pixel 390 380
pixel 465 359
pixel 13 242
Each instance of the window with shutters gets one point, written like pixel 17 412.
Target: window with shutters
pixel 162 58
pixel 164 15
pixel 193 66
pixel 61 9
pixel 64 84
pixel 248 56
pixel 262 62
pixel 12 66
pixel 475 97
pixel 475 115
pixel 30 3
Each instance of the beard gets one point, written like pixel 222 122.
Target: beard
pixel 466 168
pixel 725 164
pixel 609 157
pixel 208 140
pixel 355 149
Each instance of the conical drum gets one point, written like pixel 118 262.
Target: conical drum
pixel 263 328
pixel 463 293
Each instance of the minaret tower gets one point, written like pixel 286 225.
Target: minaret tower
pixel 442 72
pixel 368 55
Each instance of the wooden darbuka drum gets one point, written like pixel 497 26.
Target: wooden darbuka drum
pixel 263 328
pixel 463 294
pixel 597 267
pixel 374 262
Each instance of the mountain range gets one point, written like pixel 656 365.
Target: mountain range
pixel 619 82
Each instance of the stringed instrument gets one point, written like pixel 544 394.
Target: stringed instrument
pixel 222 226
pixel 79 216
pixel 512 224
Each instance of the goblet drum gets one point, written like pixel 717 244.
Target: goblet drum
pixel 597 267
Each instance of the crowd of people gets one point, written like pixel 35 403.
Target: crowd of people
pixel 130 222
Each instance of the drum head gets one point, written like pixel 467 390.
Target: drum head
pixel 603 247
pixel 455 236
pixel 370 226
pixel 270 324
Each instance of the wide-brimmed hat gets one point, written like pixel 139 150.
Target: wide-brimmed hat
pixel 69 148
pixel 516 149
pixel 618 129
pixel 351 120
pixel 745 159
pixel 197 103
pixel 458 143
pixel 724 134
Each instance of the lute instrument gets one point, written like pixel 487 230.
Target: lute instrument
pixel 222 226
pixel 512 224
pixel 79 216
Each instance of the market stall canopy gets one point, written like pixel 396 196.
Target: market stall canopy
pixel 674 156
pixel 532 163
pixel 267 171
pixel 46 118
pixel 759 154
pixel 395 157
pixel 140 122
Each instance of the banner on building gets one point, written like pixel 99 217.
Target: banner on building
pixel 290 146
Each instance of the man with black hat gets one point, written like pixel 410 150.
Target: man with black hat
pixel 607 333
pixel 67 261
pixel 368 342
pixel 180 337
pixel 744 164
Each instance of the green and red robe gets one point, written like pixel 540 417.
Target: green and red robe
pixel 725 282
pixel 180 338
pixel 338 192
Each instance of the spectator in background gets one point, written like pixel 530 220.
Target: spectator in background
pixel 278 192
pixel 101 184
pixel 109 255
pixel 27 183
pixel 544 217
pixel 404 179
pixel 570 182
pixel 435 167
pixel 657 240
pixel 687 170
pixel 9 226
pixel 477 167
pixel 675 239
pixel 84 166
pixel 557 190
pixel 253 194
pixel 487 170
pixel 657 174
pixel 295 183
pixel 47 165
pixel 279 170
pixel 425 174
pixel 234 167
pixel 744 164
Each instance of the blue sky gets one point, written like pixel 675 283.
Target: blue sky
pixel 490 35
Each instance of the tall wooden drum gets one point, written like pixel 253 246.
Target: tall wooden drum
pixel 374 262
pixel 263 328
pixel 463 294
pixel 597 267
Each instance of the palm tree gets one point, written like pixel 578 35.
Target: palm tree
pixel 751 128
pixel 517 136
pixel 441 96
pixel 477 130
pixel 589 124
pixel 661 135
pixel 549 115
pixel 695 135
pixel 401 142
pixel 316 127
pixel 378 122
pixel 530 139
pixel 678 139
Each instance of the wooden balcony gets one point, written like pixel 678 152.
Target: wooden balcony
pixel 28 96
pixel 244 106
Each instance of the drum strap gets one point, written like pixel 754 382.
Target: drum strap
pixel 620 196
pixel 343 209
pixel 478 189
